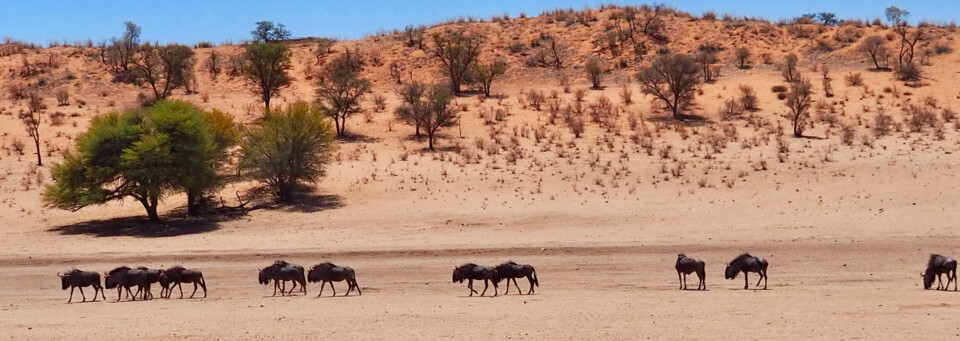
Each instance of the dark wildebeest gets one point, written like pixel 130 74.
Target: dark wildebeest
pixel 746 263
pixel 472 272
pixel 80 279
pixel 511 271
pixel 939 265
pixel 283 271
pixel 125 278
pixel 176 275
pixel 328 272
pixel 153 276
pixel 686 266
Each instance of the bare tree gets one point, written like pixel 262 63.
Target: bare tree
pixel 214 64
pixel 324 47
pixel 672 79
pixel 412 108
pixel 743 56
pixel 789 68
pixel 457 51
pixel 898 18
pixel 798 101
pixel 559 52
pixel 706 58
pixel 486 73
pixel 874 47
pixel 594 69
pixel 342 88
pixel 31 121
pixel 440 112
pixel 165 68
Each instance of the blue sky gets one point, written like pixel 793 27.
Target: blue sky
pixel 41 21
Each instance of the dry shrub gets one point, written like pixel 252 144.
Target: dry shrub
pixel 854 79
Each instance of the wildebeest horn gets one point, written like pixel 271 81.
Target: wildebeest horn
pixel 59 274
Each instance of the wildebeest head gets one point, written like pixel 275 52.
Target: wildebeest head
pixel 64 281
pixel 458 274
pixel 730 272
pixel 928 278
pixel 496 276
pixel 110 281
pixel 164 280
pixel 263 278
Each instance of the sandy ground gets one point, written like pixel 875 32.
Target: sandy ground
pixel 817 290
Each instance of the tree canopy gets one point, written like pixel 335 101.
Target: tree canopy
pixel 144 154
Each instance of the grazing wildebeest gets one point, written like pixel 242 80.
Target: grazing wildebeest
pixel 511 271
pixel 686 266
pixel 80 279
pixel 472 272
pixel 939 265
pixel 176 275
pixel 125 278
pixel 746 263
pixel 283 271
pixel 328 272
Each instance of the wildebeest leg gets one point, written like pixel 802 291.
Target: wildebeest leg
pixel 954 280
pixel 470 286
pixel 761 278
pixel 194 289
pixel 119 288
pixel 102 293
pixel 82 295
pixel 764 278
pixel 334 289
pixel 508 287
pixel 130 293
pixel 745 282
pixel 680 278
pixel 276 284
pixel 71 295
pixel 322 284
pixel 293 287
pixel 485 285
pixel 516 285
pixel 355 285
pixel 179 285
pixel 530 278
pixel 496 291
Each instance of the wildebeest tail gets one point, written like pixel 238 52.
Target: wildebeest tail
pixel 535 281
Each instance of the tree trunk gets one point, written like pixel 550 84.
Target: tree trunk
pixel 39 160
pixel 193 202
pixel 151 210
pixel 430 138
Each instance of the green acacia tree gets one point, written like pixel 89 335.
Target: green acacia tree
pixel 265 68
pixel 288 147
pixel 143 154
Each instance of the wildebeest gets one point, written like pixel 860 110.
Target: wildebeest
pixel 472 272
pixel 936 266
pixel 153 276
pixel 686 266
pixel 746 263
pixel 124 278
pixel 283 271
pixel 80 279
pixel 511 271
pixel 328 272
pixel 173 277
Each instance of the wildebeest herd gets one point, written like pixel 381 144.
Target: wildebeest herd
pixel 280 272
